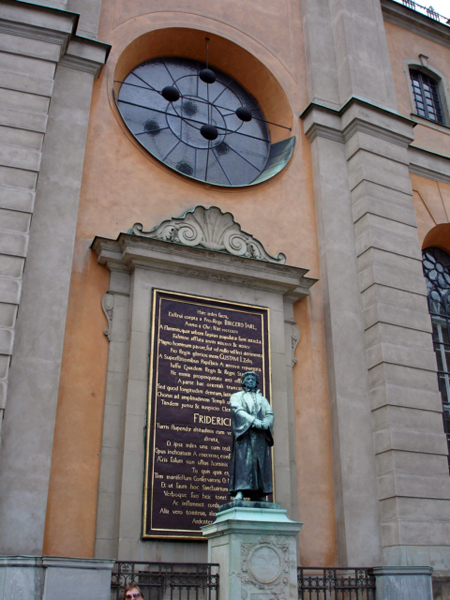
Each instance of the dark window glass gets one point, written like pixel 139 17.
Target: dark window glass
pixel 426 96
pixel 172 128
pixel 436 268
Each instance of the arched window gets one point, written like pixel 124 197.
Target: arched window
pixel 436 268
pixel 426 96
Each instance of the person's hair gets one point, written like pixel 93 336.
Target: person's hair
pixel 132 587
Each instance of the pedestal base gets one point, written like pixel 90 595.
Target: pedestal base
pixel 403 583
pixel 255 546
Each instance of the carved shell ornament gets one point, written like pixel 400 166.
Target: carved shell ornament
pixel 211 229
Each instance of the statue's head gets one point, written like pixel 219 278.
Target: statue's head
pixel 250 380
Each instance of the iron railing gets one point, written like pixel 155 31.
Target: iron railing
pixel 425 10
pixel 167 581
pixel 335 584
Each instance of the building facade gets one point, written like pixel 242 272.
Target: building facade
pixel 360 455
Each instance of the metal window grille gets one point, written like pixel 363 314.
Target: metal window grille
pixel 436 268
pixel 167 581
pixel 426 96
pixel 335 584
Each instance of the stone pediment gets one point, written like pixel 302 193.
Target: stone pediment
pixel 210 229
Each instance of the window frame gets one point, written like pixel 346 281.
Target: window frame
pixel 439 310
pixel 442 89
pixel 420 81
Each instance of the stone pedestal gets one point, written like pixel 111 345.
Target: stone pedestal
pixel 255 545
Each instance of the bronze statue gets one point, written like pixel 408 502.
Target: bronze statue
pixel 252 424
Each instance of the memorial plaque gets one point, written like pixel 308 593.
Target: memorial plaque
pixel 199 350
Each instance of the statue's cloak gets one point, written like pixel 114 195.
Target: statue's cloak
pixel 250 465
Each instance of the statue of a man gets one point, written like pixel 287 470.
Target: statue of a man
pixel 252 424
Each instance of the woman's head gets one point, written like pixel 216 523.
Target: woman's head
pixel 132 592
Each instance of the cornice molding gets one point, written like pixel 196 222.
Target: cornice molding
pixel 42 34
pixel 414 21
pixel 130 252
pixel 54 26
pixel 324 131
pixel 37 20
pixel 360 125
pixel 341 124
pixel 84 54
pixel 356 115
pixel 429 165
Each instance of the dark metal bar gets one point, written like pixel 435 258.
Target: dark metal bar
pixel 186 119
pixel 318 583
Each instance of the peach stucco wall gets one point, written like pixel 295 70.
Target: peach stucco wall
pixel 404 49
pixel 122 184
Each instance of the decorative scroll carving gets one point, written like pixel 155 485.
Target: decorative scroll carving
pixel 293 331
pixel 295 338
pixel 211 229
pixel 108 309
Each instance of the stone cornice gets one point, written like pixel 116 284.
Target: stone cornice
pixel 55 26
pixel 95 564
pixel 429 165
pixel 84 54
pixel 356 115
pixel 37 22
pixel 129 252
pixel 26 30
pixel 416 22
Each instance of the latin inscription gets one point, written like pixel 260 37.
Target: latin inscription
pixel 199 350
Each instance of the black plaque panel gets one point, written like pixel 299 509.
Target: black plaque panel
pixel 199 350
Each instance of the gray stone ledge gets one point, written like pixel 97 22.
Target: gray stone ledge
pixel 86 55
pixel 130 251
pixel 78 563
pixel 400 570
pixel 357 115
pixel 20 561
pixel 55 26
pixel 36 33
pixel 37 20
pixel 263 505
pixel 429 165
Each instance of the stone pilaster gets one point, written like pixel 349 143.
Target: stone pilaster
pixel 386 414
pixel 396 382
pixel 47 76
pixel 357 510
